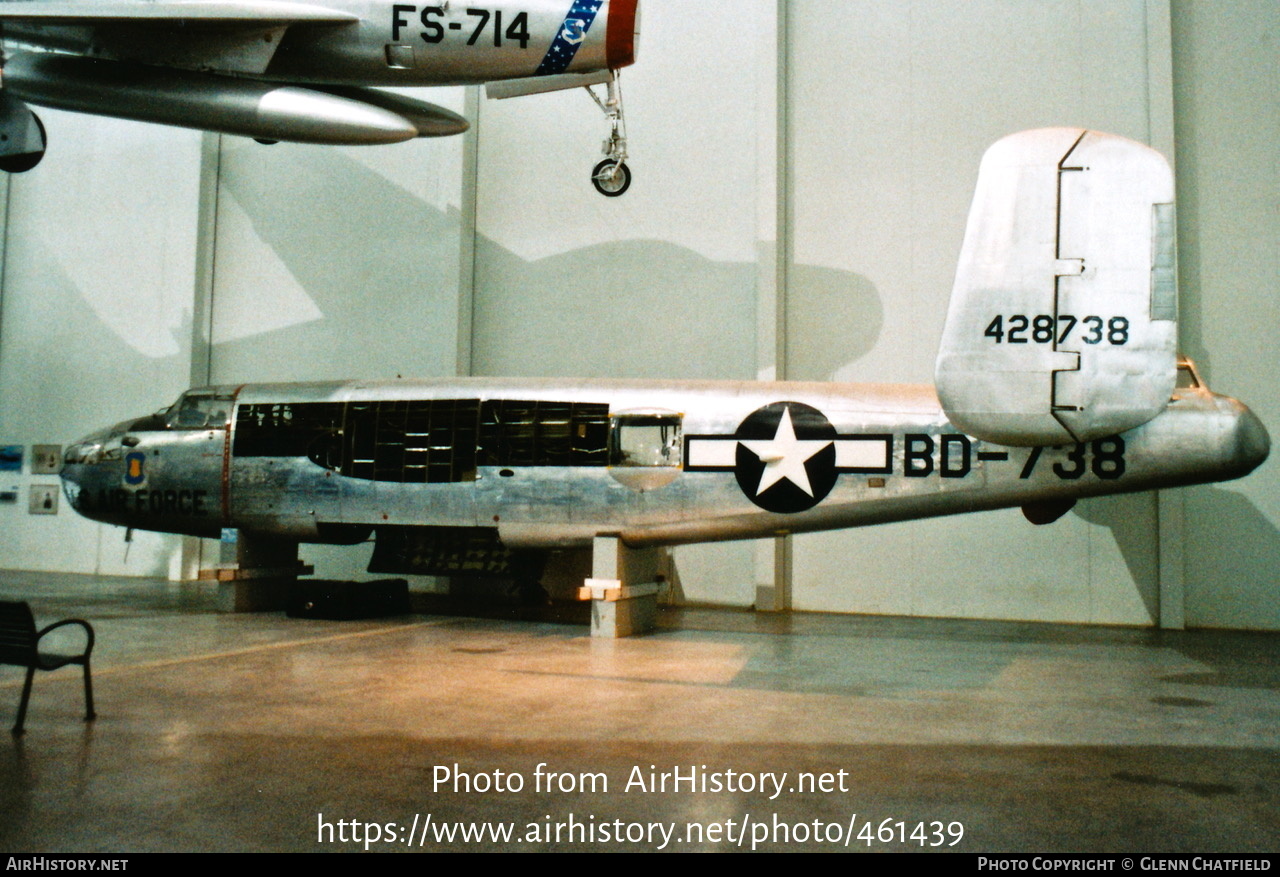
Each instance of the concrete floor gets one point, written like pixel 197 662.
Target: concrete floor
pixel 251 732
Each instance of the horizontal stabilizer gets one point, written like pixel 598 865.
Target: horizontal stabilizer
pixel 1062 323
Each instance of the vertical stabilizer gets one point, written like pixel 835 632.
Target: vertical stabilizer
pixel 1063 319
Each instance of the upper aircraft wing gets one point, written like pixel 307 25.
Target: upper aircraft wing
pixel 228 36
pixel 212 11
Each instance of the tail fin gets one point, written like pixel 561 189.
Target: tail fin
pixel 1063 319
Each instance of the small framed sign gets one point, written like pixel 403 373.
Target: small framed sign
pixel 46 459
pixel 11 458
pixel 43 499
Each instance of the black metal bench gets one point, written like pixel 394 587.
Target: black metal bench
pixel 20 646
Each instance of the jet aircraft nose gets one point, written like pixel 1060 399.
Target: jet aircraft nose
pixel 622 37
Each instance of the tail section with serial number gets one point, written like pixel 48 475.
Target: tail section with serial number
pixel 1063 319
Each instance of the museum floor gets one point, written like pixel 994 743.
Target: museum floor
pixel 258 732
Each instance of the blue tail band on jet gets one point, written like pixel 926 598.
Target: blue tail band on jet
pixel 571 34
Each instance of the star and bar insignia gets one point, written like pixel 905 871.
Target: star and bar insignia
pixel 786 456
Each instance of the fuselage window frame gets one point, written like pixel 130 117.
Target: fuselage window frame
pixel 650 440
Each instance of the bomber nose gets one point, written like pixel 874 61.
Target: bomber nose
pixel 84 462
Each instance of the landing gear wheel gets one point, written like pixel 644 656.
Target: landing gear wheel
pixel 17 164
pixel 611 178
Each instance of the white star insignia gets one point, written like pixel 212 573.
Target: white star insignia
pixel 784 456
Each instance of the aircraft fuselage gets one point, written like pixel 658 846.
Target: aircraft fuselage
pixel 384 42
pixel 549 465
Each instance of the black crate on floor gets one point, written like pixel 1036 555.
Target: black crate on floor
pixel 342 601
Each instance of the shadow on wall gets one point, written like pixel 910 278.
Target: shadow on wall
pixel 1131 518
pixel 653 309
pixel 833 319
pixel 638 309
pixel 1227 541
pixel 376 259
pixel 380 264
pixel 1230 558
pixel 77 374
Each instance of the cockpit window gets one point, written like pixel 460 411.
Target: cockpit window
pixel 92 451
pixel 199 411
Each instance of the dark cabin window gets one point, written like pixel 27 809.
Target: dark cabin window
pixel 432 441
pixel 289 429
pixel 521 433
pixel 412 442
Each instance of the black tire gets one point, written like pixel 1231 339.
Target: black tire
pixel 611 178
pixel 18 164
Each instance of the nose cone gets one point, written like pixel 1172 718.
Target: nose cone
pixel 622 33
pixel 77 463
pixel 1252 443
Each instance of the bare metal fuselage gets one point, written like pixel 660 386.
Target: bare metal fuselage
pixel 362 42
pixel 550 465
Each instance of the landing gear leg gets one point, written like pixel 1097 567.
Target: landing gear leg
pixel 612 177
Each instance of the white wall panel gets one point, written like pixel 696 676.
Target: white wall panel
pixel 884 152
pixel 96 321
pixel 1227 78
